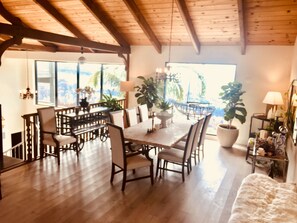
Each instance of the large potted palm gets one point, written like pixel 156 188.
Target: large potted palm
pixel 234 109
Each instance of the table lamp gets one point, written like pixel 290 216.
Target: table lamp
pixel 273 99
pixel 126 86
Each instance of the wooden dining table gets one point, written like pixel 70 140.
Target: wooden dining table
pixel 161 137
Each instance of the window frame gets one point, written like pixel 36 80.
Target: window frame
pixel 78 69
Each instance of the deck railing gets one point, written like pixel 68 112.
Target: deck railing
pixel 31 139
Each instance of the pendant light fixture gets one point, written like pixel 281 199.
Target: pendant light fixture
pixel 81 59
pixel 26 93
pixel 166 73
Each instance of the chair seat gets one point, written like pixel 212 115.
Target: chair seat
pixel 171 155
pixel 62 139
pixel 137 161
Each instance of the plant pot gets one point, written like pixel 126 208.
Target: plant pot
pixel 227 137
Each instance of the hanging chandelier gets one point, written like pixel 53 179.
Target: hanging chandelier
pixel 26 93
pixel 166 73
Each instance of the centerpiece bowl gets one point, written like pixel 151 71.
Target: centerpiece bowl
pixel 164 116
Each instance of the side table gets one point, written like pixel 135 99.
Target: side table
pixel 272 160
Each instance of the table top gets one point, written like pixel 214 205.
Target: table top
pixel 163 137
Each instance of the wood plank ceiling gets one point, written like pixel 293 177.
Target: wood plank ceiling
pixel 118 24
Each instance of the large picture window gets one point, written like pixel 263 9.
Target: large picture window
pixel 199 86
pixel 57 81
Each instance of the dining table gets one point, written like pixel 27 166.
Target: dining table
pixel 165 138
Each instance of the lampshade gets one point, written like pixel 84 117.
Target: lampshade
pixel 127 86
pixel 273 98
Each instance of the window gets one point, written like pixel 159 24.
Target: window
pixel 57 81
pixel 199 85
pixel 66 84
pixel 112 76
pixel 91 75
pixel 45 83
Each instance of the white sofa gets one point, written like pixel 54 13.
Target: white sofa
pixel 263 199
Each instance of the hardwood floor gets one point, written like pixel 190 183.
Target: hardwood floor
pixel 80 191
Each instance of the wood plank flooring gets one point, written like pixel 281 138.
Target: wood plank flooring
pixel 80 191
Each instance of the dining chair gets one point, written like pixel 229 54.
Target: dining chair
pixel 177 156
pixel 125 161
pixel 143 112
pixel 117 118
pixel 131 114
pixel 51 138
pixel 182 144
pixel 200 145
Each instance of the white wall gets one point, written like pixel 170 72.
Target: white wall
pixel 263 68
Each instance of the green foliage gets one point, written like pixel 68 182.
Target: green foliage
pixel 147 92
pixel 164 105
pixel 111 102
pixel 174 90
pixel 203 85
pixel 231 96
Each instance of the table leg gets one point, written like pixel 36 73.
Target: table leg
pixel 272 169
pixel 146 151
pixel 253 163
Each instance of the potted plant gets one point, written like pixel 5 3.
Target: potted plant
pixel 85 94
pixel 111 102
pixel 147 92
pixel 164 105
pixel 164 115
pixel 234 109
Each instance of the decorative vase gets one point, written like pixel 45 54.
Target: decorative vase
pixel 164 116
pixel 84 104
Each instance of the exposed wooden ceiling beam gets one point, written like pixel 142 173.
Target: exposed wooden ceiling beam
pixel 61 18
pixel 143 24
pixel 242 30
pixel 8 16
pixel 7 43
pixel 17 21
pixel 184 12
pixel 103 18
pixel 56 38
pixel 32 47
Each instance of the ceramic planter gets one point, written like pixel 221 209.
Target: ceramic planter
pixel 227 137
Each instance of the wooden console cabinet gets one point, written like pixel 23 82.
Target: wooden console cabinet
pixel 92 122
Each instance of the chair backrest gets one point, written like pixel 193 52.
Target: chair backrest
pixel 131 115
pixel 204 129
pixel 189 142
pixel 197 133
pixel 117 144
pixel 143 112
pixel 47 119
pixel 117 118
